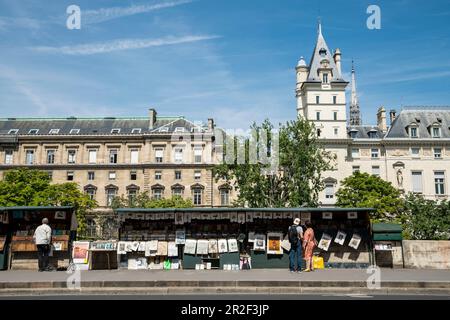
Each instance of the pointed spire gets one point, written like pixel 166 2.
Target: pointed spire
pixel 319 27
pixel 355 115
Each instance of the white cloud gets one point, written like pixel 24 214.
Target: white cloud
pixel 105 14
pixel 24 23
pixel 122 44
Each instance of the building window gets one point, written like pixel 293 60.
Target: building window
pixel 113 156
pixel 179 129
pixel 317 99
pixel 133 175
pixel 74 131
pixel 225 197
pixel 112 175
pixel 375 153
pixel 355 169
pixel 9 156
pixel 197 196
pixel 134 156
pixel 158 175
pixel 325 78
pixel 318 115
pixel 416 181
pixel 439 182
pixel 92 156
pixel 159 155
pixel 132 193
pixel 437 153
pixel 110 195
pixel 136 130
pixel 336 131
pixel 353 134
pixel 163 129
pixel 91 193
pixel 197 175
pixel 355 153
pixel 177 175
pixel 376 171
pixel 178 158
pixel 71 156
pixel 436 132
pixel 177 192
pixel 33 131
pixel 51 156
pixel 415 152
pixel 335 114
pixel 70 175
pixel 91 229
pixel 115 131
pixel 91 175
pixel 29 156
pixel 157 193
pixel 372 134
pixel 329 191
pixel 13 131
pixel 334 100
pixel 53 131
pixel 413 132
pixel 198 154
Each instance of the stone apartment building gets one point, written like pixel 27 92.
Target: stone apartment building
pixel 413 152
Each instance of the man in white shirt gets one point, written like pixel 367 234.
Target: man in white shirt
pixel 42 238
pixel 295 235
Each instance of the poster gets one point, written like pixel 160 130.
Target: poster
pixel 121 247
pixel 352 215
pixel 202 247
pixel 251 237
pixel 241 218
pixel 179 218
pixel 327 215
pixel 180 237
pixel 190 246
pixel 249 216
pixel 274 243
pixel 340 237
pixel 233 217
pixel 232 245
pixel 213 246
pixel 141 247
pixel 355 241
pixel 135 245
pixel 80 252
pixel 260 242
pixel 172 250
pixel 162 248
pixel 223 247
pixel 188 217
pixel 325 242
pixel 150 248
pixel 60 215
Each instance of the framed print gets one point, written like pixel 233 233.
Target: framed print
pixel 141 247
pixel 172 249
pixel 267 215
pixel 202 247
pixel 241 218
pixel 129 246
pixel 274 243
pixel 80 252
pixel 260 242
pixel 305 217
pixel 223 246
pixel 257 215
pixel 213 246
pixel 150 248
pixel 162 248
pixel 327 215
pixel 190 246
pixel 135 246
pixel 232 245
pixel 121 247
pixel 325 242
pixel 251 236
pixel 60 215
pixel 188 217
pixel 233 217
pixel 179 218
pixel 352 215
pixel 180 237
pixel 249 216
pixel 355 241
pixel 340 237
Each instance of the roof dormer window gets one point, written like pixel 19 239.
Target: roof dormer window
pixel 74 131
pixel 33 131
pixel 413 132
pixel 164 129
pixel 136 130
pixel 115 131
pixel 53 131
pixel 436 132
pixel 179 129
pixel 353 133
pixel 13 131
pixel 323 52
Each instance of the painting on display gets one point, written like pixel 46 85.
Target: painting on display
pixel 223 247
pixel 162 248
pixel 180 237
pixel 274 243
pixel 202 247
pixel 212 246
pixel 340 237
pixel 172 249
pixel 80 252
pixel 190 246
pixel 355 241
pixel 150 248
pixel 260 242
pixel 232 245
pixel 325 242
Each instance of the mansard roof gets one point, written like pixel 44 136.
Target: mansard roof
pixel 96 126
pixel 423 117
pixel 362 132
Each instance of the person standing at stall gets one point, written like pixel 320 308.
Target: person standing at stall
pixel 295 234
pixel 309 243
pixel 42 238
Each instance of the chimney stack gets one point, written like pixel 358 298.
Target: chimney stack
pixel 337 59
pixel 152 117
pixel 381 119
pixel 210 124
pixel 392 115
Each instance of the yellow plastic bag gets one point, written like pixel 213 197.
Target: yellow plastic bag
pixel 318 262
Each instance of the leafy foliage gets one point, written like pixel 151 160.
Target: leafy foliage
pixel 143 200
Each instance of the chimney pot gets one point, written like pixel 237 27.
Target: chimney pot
pixel 152 117
pixel 210 124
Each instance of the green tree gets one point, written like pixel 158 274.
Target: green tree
pixel 143 200
pixel 363 190
pixel 425 219
pixel 29 187
pixel 297 178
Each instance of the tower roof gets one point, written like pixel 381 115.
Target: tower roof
pixel 322 57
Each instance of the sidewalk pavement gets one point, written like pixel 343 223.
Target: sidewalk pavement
pixel 220 281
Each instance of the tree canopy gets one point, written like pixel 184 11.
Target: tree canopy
pixel 143 200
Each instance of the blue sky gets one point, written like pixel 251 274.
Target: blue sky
pixel 227 59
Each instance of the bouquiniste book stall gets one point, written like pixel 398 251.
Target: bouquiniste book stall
pixel 23 221
pixel 236 238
